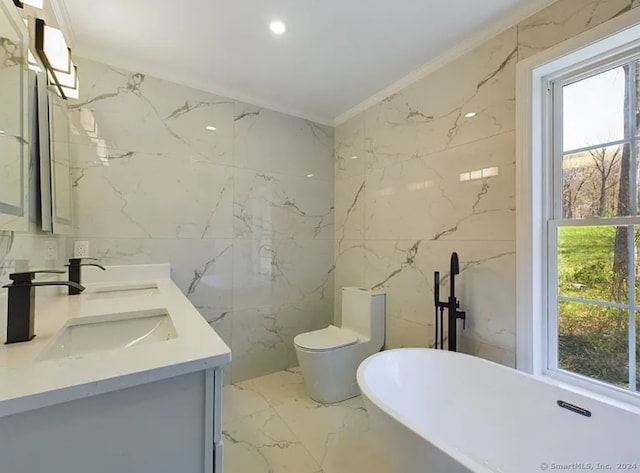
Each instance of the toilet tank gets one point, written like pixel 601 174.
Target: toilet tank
pixel 363 311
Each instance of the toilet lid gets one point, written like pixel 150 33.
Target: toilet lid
pixel 325 339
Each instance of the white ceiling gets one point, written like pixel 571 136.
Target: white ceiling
pixel 335 55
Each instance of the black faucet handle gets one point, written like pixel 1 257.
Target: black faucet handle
pixel 463 315
pixel 77 265
pixel 80 260
pixel 27 276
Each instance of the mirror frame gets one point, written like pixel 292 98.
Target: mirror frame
pixel 51 221
pixel 13 218
pixel 44 154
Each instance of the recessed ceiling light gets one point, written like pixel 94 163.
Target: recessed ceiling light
pixel 211 128
pixel 470 114
pixel 277 27
pixel 1 132
pixel 354 157
pixel 310 175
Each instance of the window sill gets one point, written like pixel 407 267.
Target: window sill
pixel 599 391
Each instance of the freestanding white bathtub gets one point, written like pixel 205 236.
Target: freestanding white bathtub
pixel 436 411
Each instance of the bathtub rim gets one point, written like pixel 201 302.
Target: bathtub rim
pixel 567 386
pixel 461 457
pixel 464 459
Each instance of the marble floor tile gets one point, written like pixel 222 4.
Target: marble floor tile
pixel 272 425
pixel 239 402
pixel 337 436
pixel 262 443
pixel 278 388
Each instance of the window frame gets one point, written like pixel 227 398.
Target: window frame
pixel 557 220
pixel 535 263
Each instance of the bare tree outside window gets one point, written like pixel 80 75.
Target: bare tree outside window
pixel 597 260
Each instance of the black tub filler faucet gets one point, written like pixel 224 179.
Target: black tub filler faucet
pixel 451 306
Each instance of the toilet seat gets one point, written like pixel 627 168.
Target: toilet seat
pixel 325 339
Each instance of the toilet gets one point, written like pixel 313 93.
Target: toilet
pixel 329 357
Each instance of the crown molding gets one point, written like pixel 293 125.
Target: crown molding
pixel 450 55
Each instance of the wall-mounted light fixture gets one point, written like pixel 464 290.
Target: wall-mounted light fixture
pixel 56 57
pixel 68 79
pixel 52 47
pixel 72 92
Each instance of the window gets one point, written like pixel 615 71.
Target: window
pixel 577 216
pixel 592 229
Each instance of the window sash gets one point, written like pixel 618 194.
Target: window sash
pixel 550 342
pixel 556 221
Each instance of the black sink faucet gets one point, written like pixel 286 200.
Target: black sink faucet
pixel 75 272
pixel 22 298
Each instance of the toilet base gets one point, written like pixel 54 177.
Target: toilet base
pixel 330 376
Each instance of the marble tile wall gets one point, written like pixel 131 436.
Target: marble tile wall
pixel 401 207
pixel 27 251
pixel 252 239
pixel 248 234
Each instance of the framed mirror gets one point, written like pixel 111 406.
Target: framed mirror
pixel 14 119
pixel 55 159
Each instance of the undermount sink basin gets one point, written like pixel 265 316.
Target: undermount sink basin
pixel 123 290
pixel 85 335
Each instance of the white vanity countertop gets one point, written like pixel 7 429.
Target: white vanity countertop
pixel 27 383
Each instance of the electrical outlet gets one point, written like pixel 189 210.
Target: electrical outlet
pixel 80 249
pixel 51 250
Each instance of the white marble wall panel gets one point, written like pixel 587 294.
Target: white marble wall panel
pixel 424 198
pixel 24 251
pixel 249 236
pixel 350 201
pixel 269 273
pixel 281 206
pixel 469 344
pixel 273 142
pixel 138 113
pixel 429 115
pixel 350 270
pixel 202 269
pixel 117 189
pixel 404 269
pixel 350 219
pixel 349 148
pixel 564 19
pixel 414 210
pixel 263 336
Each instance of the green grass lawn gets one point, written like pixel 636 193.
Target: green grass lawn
pixel 593 340
pixel 585 262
